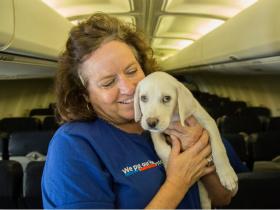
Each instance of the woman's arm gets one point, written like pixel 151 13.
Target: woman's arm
pixel 217 193
pixel 183 170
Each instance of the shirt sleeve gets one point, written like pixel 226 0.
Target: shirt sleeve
pixel 74 177
pixel 234 160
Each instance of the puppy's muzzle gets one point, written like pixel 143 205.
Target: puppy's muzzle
pixel 152 122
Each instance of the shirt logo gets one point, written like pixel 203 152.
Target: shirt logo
pixel 140 167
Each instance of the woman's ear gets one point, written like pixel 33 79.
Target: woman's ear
pixel 137 108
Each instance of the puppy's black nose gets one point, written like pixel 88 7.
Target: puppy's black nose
pixel 152 122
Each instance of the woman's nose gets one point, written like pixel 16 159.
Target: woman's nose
pixel 126 85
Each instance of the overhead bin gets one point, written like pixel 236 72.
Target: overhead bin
pixel 39 31
pixel 6 23
pixel 252 34
pixel 31 34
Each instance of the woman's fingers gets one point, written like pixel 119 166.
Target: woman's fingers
pixel 176 145
pixel 176 133
pixel 208 170
pixel 201 143
pixel 186 140
pixel 205 153
pixel 190 165
pixel 201 159
pixel 187 134
pixel 191 121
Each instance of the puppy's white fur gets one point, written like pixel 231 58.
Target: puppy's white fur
pixel 160 99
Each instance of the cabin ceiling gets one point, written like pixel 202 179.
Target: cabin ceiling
pixel 170 25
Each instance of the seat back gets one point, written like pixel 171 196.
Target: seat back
pixel 1 148
pixel 12 124
pixel 237 124
pixel 42 111
pixel 32 185
pixel 234 107
pixel 266 146
pixel 30 145
pixel 263 113
pixel 22 143
pixel 255 111
pixel 10 184
pixel 50 123
pixel 239 144
pixel 4 154
pixel 274 124
pixel 257 190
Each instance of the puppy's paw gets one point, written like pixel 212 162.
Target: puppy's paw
pixel 228 178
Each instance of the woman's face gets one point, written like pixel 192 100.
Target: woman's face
pixel 112 74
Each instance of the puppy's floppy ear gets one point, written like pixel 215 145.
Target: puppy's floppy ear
pixel 186 102
pixel 137 108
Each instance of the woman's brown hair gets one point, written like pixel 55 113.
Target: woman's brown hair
pixel 84 39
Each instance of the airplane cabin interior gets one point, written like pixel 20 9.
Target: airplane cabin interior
pixel 227 52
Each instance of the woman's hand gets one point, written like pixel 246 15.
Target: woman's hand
pixel 185 168
pixel 188 134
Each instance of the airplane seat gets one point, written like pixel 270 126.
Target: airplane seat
pixel 263 113
pixel 257 190
pixel 29 146
pixel 215 112
pixel 49 123
pixel 10 184
pixel 267 166
pixel 4 154
pixel 266 145
pixel 202 97
pixel 233 107
pixel 256 110
pixel 41 112
pixel 11 124
pixel 240 144
pixel 274 124
pixel 32 197
pixel 224 100
pixel 215 105
pixel 213 101
pixel 196 93
pixel 52 106
pixel 265 148
pixel 239 124
pixel 1 148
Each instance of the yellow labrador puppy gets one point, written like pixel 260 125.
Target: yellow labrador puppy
pixel 160 99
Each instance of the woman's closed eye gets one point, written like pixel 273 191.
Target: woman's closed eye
pixel 107 83
pixel 131 71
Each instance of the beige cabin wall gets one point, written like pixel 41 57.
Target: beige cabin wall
pixel 18 97
pixel 255 90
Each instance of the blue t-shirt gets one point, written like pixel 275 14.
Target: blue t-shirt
pixel 96 165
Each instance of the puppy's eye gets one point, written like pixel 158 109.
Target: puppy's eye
pixel 144 98
pixel 166 99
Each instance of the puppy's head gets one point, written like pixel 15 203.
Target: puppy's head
pixel 156 100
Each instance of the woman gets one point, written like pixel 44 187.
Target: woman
pixel 101 158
